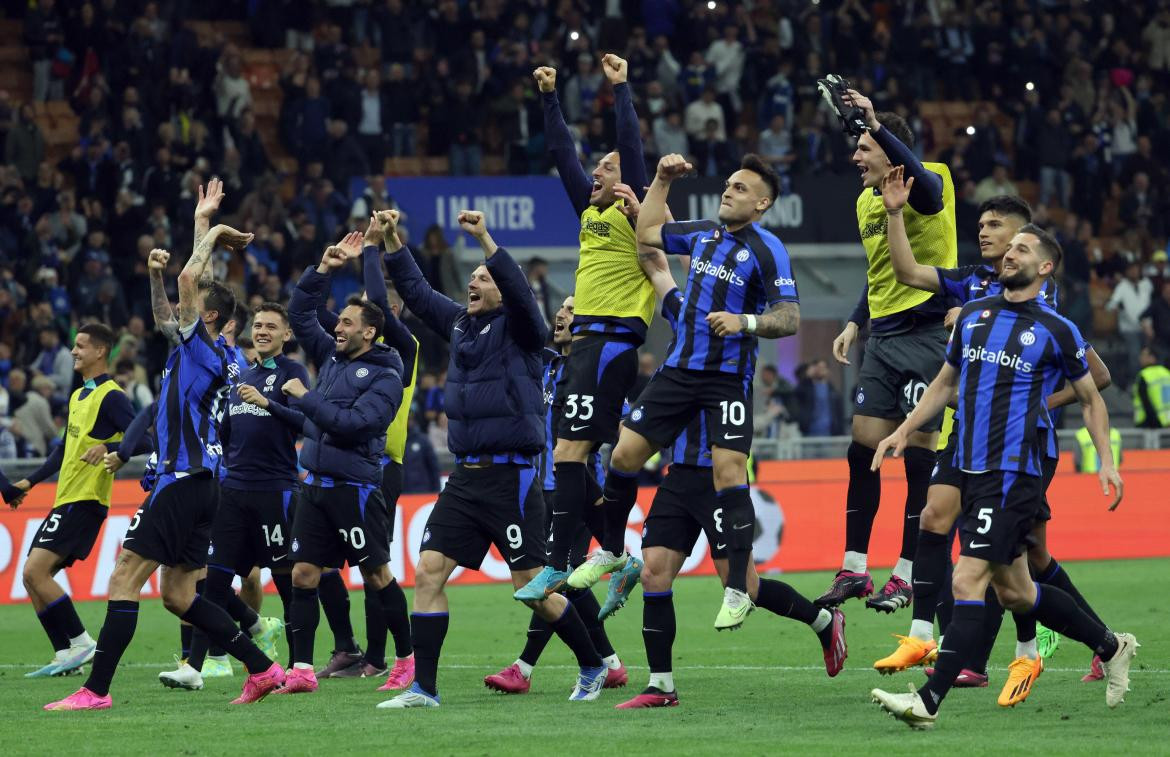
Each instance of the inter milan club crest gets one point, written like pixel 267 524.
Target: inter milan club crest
pixel 363 372
pixel 742 256
pixel 1027 338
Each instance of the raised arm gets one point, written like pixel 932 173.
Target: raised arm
pixel 927 195
pixel 164 314
pixel 436 310
pixel 205 208
pixel 310 293
pixel 525 322
pixel 933 401
pixel 653 212
pixel 629 132
pixel 907 270
pixel 393 333
pixel 560 141
pixel 193 271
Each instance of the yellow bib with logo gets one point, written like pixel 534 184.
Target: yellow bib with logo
pixel 79 481
pixel 609 280
pixel 396 432
pixel 932 240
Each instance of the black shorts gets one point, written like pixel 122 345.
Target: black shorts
pixel 333 525
pixel 999 511
pixel 1048 468
pixel 70 531
pixel 945 473
pixel 599 374
pixel 252 528
pixel 675 396
pixel 895 372
pixel 392 487
pixel 684 505
pixel 173 526
pixel 495 504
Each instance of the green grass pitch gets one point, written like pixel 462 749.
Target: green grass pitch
pixel 761 690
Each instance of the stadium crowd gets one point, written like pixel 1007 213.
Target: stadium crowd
pixel 1070 109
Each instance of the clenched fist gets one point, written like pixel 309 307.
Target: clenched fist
pixel 546 78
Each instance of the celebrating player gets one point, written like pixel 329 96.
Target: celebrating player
pixel 496 430
pixel 99 412
pixel 340 511
pixel 614 304
pixel 740 287
pixel 1008 353
pixel 903 353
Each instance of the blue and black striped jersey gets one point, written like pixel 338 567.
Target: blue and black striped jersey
pixel 554 371
pixel 972 282
pixel 691 447
pixel 185 430
pixel 1010 357
pixel 747 272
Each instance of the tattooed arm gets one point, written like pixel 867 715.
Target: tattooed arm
pixel 782 319
pixel 164 314
pixel 198 264
pixel 205 208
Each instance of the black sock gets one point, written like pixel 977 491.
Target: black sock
pixel 220 628
pixel 305 615
pixel 115 636
pixel 739 523
pixel 919 463
pixel 57 636
pixel 588 608
pixel 621 491
pixel 1060 612
pixel 960 643
pixel 783 600
pixel 239 611
pixel 946 597
pixel 186 632
pixel 1056 575
pixel 576 637
pixel 862 499
pixel 658 629
pixel 216 588
pixel 376 629
pixel 930 571
pixel 1025 627
pixel 397 617
pixel 427 631
pixel 283 582
pixel 335 601
pixel 992 621
pixel 539 633
pixel 566 511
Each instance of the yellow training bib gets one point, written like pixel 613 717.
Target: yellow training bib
pixel 609 280
pixel 79 481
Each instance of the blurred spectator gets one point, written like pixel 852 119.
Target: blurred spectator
pixel 582 90
pixel 24 147
pixel 701 111
pixel 37 426
pixel 548 295
pixel 775 145
pixel 669 135
pixel 126 374
pixel 818 403
pixel 54 361
pixel 1156 322
pixel 1151 393
pixel 1140 207
pixel 997 183
pixel 437 262
pixel 1130 299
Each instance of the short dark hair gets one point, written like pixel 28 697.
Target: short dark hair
pixel 100 335
pixel 757 165
pixel 897 126
pixel 217 297
pixel 240 314
pixel 272 307
pixel 1008 205
pixel 1049 247
pixel 371 314
pixel 392 295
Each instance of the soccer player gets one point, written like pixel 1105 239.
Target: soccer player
pixel 348 660
pixel 495 411
pixel 517 677
pixel 1007 354
pixel 252 525
pixel 904 351
pixel 172 528
pixel 340 511
pixel 614 304
pixel 740 287
pixel 1000 219
pixel 684 505
pixel 99 412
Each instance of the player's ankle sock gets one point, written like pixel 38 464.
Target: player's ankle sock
pixel 992 620
pixel 919 463
pixel 1060 612
pixel 186 631
pixel 855 562
pixel 576 637
pixel 658 631
pixel 588 608
pixel 783 600
pixel 524 668
pixel 861 500
pixel 621 490
pixel 565 511
pixel 1056 575
pixel 539 633
pixel 611 661
pixel 962 639
pixel 65 618
pixel 335 602
pixel 397 618
pixel 115 636
pixel 305 615
pixel 1027 648
pixel 220 627
pixel 663 681
pixel 377 625
pixel 427 631
pixel 52 625
pixel 929 572
pixel 739 519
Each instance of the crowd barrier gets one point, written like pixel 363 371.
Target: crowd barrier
pixel 811 494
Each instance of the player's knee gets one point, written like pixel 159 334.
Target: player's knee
pixel 729 475
pixel 626 459
pixel 1014 599
pixel 176 599
pixel 378 578
pixel 656 576
pixel 305 576
pixel 936 518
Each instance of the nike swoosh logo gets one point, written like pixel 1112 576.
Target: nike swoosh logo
pixel 43 540
pixel 720 546
pixel 364 558
pixel 578 428
pixel 974 325
pixel 651 630
pixel 911 517
pixel 732 436
pixel 556 513
pixel 740 528
pixel 973 545
pixel 706 240
pixel 457 329
pixel 924 583
pixel 515 559
pixel 280 557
